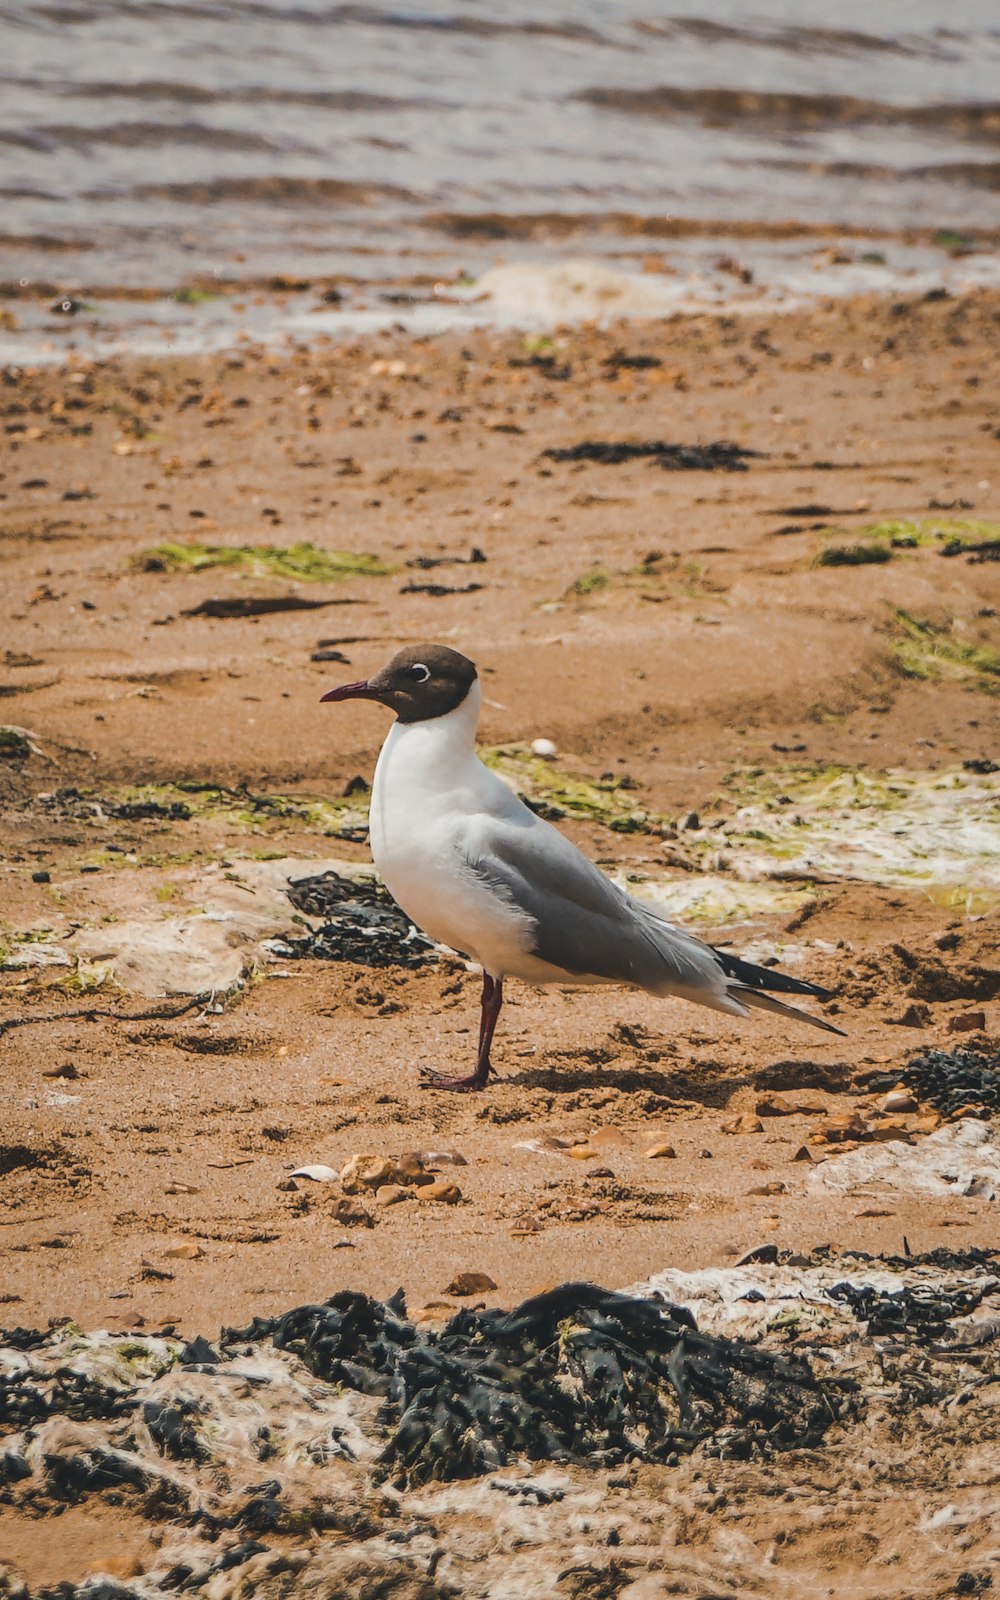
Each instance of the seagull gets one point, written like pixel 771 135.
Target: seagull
pixel 477 870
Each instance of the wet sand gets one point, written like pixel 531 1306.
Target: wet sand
pixel 670 628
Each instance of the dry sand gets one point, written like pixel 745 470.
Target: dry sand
pixel 129 1131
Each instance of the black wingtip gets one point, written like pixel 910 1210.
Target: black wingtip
pixel 768 979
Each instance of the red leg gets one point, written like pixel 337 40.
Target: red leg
pixel 492 1000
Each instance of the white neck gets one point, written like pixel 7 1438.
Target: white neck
pixel 432 750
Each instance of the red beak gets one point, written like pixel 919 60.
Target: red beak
pixel 351 691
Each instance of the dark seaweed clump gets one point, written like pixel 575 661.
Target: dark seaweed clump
pixel 719 456
pixel 922 1314
pixel 362 923
pixel 576 1374
pixel 951 1079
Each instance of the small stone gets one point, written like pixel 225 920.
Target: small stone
pixel 411 1168
pixel 803 1153
pixel 915 1016
pixel 967 1022
pixel 747 1123
pixel 390 1194
pixel 973 1109
pixel 928 1123
pixel 896 1101
pixel 774 1187
pixel 691 822
pixel 435 1158
pixel 761 1252
pixel 544 749
pixel 887 1128
pixel 846 1126
pixel 189 1250
pixel 581 1152
pixel 441 1189
pixel 366 1172
pixel 466 1283
pixel 661 1151
pixel 352 1215
pixel 607 1138
pixel 774 1105
pixel 524 1225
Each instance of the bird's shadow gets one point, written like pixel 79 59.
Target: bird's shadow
pixel 679 1087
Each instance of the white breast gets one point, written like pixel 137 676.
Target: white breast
pixel 429 788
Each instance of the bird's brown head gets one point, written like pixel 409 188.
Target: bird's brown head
pixel 420 682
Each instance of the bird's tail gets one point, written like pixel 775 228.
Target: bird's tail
pixel 766 1002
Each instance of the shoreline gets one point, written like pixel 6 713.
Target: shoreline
pixel 721 271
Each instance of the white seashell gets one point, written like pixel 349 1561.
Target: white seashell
pixel 544 748
pixel 318 1174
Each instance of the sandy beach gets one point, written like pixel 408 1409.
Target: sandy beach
pixel 772 693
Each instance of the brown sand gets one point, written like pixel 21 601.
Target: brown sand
pixel 738 652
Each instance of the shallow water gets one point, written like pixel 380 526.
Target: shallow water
pixel 151 143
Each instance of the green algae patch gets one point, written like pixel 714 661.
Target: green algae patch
pixel 932 651
pixel 554 794
pixel 304 562
pixel 910 533
pixel 591 583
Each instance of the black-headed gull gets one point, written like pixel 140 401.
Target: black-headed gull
pixel 476 869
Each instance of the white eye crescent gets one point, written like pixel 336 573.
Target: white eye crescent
pixel 419 673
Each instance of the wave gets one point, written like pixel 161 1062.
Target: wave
pixel 788 112
pixel 797 38
pixel 273 191
pixel 165 89
pixel 322 17
pixel 139 135
pixel 972 174
pixel 541 225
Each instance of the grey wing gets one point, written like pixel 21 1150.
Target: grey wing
pixel 583 923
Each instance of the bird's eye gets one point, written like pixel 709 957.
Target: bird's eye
pixel 418 672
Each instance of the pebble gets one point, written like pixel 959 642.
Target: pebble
pixel 466 1283
pixel 607 1138
pixel 390 1194
pixel 774 1105
pixel 318 1174
pixel 352 1215
pixel 661 1151
pixel 366 1172
pixel 188 1251
pixel 747 1123
pixel 441 1189
pixel 544 748
pixel 897 1100
pixel 967 1022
